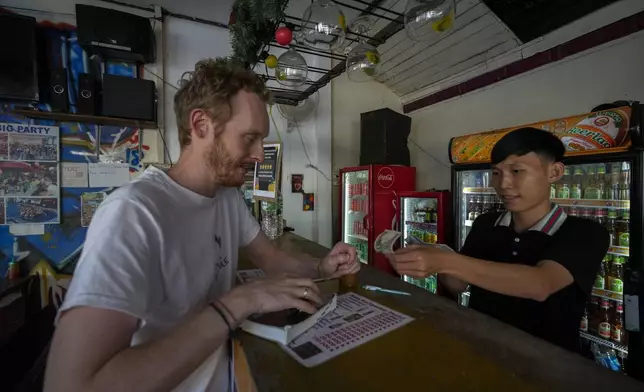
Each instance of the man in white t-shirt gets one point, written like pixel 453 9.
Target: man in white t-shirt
pixel 152 301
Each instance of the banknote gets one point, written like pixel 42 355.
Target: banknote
pixel 385 241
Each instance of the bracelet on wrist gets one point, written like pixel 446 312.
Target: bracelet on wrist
pixel 227 310
pixel 231 331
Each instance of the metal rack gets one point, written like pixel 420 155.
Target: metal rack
pixel 396 23
pixel 292 97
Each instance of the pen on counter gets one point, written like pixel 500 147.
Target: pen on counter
pixel 376 288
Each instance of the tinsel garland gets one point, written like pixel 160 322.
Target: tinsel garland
pixel 252 26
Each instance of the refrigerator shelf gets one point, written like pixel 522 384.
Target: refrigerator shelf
pixel 423 225
pixel 479 191
pixel 358 237
pixel 618 250
pixel 607 294
pixel 608 204
pixel 603 342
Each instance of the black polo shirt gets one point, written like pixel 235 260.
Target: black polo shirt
pixel 577 244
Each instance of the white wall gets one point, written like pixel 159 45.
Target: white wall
pixel 349 100
pixel 604 74
pixel 189 42
pixel 185 43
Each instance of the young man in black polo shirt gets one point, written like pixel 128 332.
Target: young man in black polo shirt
pixel 532 266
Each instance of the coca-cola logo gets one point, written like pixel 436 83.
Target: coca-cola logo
pixel 385 177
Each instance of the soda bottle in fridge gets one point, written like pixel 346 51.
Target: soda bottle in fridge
pixel 434 229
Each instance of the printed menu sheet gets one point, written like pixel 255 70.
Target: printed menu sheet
pixel 355 321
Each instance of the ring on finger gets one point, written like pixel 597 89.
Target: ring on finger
pixel 306 292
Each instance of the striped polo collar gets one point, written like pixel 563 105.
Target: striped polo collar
pixel 549 224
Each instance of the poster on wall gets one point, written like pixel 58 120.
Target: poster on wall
pixel 29 174
pixel 89 203
pixel 267 173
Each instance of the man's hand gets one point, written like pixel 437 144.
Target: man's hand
pixel 419 261
pixel 272 295
pixel 341 260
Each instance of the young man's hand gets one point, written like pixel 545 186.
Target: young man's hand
pixel 272 295
pixel 341 260
pixel 419 261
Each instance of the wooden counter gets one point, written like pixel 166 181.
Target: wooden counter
pixel 446 348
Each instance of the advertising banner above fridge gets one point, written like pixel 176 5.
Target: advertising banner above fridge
pixel 605 131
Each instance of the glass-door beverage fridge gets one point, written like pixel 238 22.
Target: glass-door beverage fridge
pixel 368 203
pixel 425 218
pixel 602 182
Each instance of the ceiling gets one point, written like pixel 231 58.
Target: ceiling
pixel 478 36
pixel 408 67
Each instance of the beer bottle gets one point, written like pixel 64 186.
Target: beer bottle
pixel 602 187
pixel 573 211
pixel 617 329
pixel 600 280
pixel 591 191
pixel 604 329
pixel 611 227
pixel 625 182
pixel 617 274
pixel 577 181
pixel 623 229
pixel 587 213
pixel 615 173
pixel 606 268
pixel 600 216
pixel 563 192
pixel 479 207
pixel 593 314
pixel 583 325
pixel 471 209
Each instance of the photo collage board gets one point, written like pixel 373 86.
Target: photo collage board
pixel 29 174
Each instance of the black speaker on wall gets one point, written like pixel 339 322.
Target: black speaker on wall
pixel 383 138
pixel 88 94
pixel 59 96
pixel 129 98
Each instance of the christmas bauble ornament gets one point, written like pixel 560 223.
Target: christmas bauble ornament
pixel 363 58
pixel 271 61
pixel 291 69
pixel 283 35
pixel 323 25
pixel 424 19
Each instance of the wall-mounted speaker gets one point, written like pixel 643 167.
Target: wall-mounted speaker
pixel 383 138
pixel 59 94
pixel 88 95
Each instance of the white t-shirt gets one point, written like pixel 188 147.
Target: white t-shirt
pixel 161 253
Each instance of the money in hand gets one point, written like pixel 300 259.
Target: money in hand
pixel 385 241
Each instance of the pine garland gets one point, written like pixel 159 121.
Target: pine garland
pixel 252 27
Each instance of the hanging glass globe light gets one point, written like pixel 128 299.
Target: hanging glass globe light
pixel 291 69
pixel 424 19
pixel 363 58
pixel 323 25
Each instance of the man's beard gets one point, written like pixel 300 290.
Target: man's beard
pixel 223 166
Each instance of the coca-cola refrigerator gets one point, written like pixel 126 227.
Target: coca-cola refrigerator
pixel 602 181
pixel 368 205
pixel 425 218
